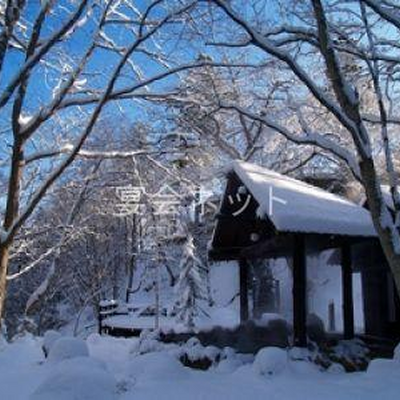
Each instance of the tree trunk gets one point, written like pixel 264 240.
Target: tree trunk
pixel 4 258
pixel 377 206
pixel 383 221
pixel 13 194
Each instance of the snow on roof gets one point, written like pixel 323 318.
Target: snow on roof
pixel 295 206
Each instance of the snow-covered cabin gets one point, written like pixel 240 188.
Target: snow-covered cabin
pixel 265 215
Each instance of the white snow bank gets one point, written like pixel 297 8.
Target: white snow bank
pixel 22 350
pixel 229 365
pixel 384 368
pixel 99 348
pixel 80 378
pixel 3 342
pixel 66 348
pixel 21 367
pixel 160 376
pixel 157 366
pixel 49 339
pixel 270 361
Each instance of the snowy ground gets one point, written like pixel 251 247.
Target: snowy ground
pixel 116 370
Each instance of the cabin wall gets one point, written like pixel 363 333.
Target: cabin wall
pixel 381 304
pixel 237 225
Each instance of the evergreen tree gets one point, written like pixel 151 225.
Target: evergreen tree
pixel 190 285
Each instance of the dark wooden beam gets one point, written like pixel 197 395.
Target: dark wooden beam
pixel 317 243
pixel 281 245
pixel 225 254
pixel 299 292
pixel 347 292
pixel 274 247
pixel 244 299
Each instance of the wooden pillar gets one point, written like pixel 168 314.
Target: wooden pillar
pixel 331 316
pixel 244 301
pixel 299 292
pixel 347 292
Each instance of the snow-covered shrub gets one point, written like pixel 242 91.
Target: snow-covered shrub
pixel 299 354
pixel 193 342
pixel 80 378
pixel 396 355
pixel 229 365
pixel 66 348
pixel 148 343
pixel 352 354
pixel 228 352
pixel 49 339
pixel 195 355
pixel 336 368
pixel 267 318
pixel 270 361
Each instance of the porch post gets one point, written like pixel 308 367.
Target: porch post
pixel 347 292
pixel 299 292
pixel 243 278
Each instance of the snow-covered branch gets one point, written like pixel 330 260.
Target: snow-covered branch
pixel 132 91
pixel 95 154
pixel 33 60
pixel 307 138
pixel 390 14
pixel 258 40
pixel 58 171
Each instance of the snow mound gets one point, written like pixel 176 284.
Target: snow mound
pixel 381 367
pixel 21 351
pixel 228 365
pixel 157 366
pixel 270 361
pixel 396 355
pixel 66 348
pixel 81 378
pixel 49 339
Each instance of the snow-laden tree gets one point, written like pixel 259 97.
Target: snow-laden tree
pixel 190 287
pixel 316 43
pixel 56 84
